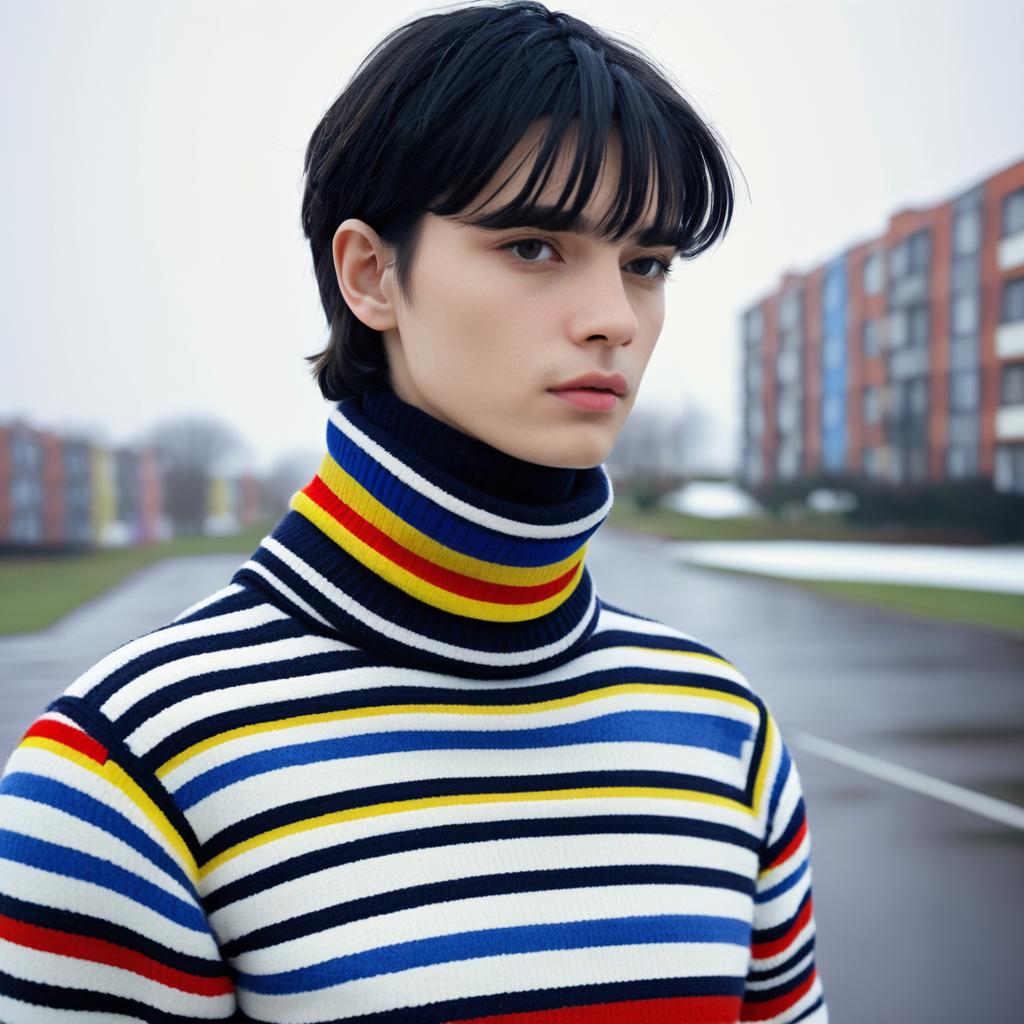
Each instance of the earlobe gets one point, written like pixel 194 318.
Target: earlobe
pixel 361 266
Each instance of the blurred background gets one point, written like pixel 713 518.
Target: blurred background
pixel 823 476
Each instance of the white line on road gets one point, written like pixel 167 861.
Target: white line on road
pixel 976 803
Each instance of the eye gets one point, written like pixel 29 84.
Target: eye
pixel 653 267
pixel 531 249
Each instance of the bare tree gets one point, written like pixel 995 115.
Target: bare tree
pixel 290 473
pixel 191 450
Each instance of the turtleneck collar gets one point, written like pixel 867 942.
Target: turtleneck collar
pixel 425 545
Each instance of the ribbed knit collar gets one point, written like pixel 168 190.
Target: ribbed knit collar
pixel 420 543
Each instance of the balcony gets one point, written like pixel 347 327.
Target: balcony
pixel 1010 340
pixel 1011 251
pixel 1010 423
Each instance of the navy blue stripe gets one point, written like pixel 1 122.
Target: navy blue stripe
pixel 57 997
pixel 756 996
pixel 487 942
pixel 542 880
pixel 773 972
pixel 436 836
pixel 370 796
pixel 712 732
pixel 99 928
pixel 777 931
pixel 453 1010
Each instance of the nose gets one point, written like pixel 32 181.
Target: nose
pixel 603 310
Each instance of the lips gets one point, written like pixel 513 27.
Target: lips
pixel 615 383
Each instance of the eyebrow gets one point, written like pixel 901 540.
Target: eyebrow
pixel 549 218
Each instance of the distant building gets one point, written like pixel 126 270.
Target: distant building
pixel 901 359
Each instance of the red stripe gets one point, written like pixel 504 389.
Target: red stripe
pixel 454 582
pixel 679 1010
pixel 763 950
pixel 773 1007
pixel 797 839
pixel 99 951
pixel 71 737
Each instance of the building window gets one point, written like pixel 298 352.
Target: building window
pixel 899 328
pixel 919 397
pixel 832 411
pixel 967 230
pixel 872 277
pixel 963 352
pixel 1011 385
pixel 899 260
pixel 920 251
pixel 871 336
pixel 964 390
pixel 872 405
pixel 919 326
pixel 1013 213
pixel 965 313
pixel 833 351
pixel 1009 468
pixel 871 466
pixel 1013 301
pixel 755 326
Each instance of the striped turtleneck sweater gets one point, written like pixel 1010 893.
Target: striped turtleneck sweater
pixel 407 766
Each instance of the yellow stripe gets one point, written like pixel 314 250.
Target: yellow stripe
pixel 603 693
pixel 352 493
pixel 419 588
pixel 762 768
pixel 113 774
pixel 399 806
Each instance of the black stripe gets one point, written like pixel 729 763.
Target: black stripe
pixel 541 880
pixel 778 991
pixel 781 968
pixel 452 1010
pixel 472 832
pixel 370 796
pixel 780 929
pixel 176 650
pixel 57 997
pixel 795 823
pixel 97 928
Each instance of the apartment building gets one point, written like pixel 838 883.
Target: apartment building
pixel 902 358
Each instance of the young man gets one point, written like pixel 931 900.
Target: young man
pixel 408 766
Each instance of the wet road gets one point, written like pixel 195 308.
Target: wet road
pixel 918 903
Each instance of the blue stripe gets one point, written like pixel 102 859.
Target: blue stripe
pixel 532 938
pixel 416 509
pixel 86 808
pixel 62 860
pixel 787 883
pixel 712 732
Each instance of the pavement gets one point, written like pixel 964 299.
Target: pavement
pixel 918 900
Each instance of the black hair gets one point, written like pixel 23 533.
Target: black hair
pixel 433 112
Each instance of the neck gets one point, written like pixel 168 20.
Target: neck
pixel 423 544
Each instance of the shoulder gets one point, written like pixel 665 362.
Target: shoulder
pixel 181 669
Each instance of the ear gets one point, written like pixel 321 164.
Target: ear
pixel 362 266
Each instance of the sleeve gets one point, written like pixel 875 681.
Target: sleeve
pixel 783 985
pixel 100 919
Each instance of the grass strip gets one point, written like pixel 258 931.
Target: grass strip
pixel 36 591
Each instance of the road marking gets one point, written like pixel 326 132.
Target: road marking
pixel 976 803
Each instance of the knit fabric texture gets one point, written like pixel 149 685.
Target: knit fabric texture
pixel 408 766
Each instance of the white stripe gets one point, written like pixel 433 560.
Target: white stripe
pixel 798 939
pixel 506 910
pixel 228 591
pixel 279 584
pixel 780 979
pixel 178 670
pixel 520 972
pixel 325 837
pixel 419 641
pixel 286 786
pixel 977 803
pixel 424 487
pixel 247 618
pixel 377 875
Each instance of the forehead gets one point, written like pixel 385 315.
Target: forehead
pixel 548 206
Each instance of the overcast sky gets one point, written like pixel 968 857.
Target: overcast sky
pixel 153 260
